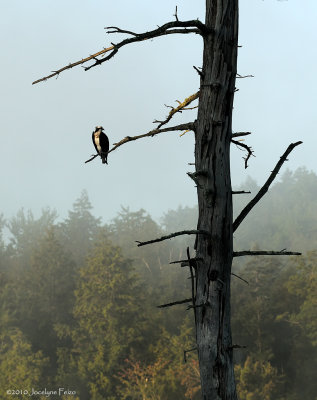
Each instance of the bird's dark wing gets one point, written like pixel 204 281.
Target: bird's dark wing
pixel 104 142
pixel 93 140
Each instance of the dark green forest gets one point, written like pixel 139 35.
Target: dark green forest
pixel 78 301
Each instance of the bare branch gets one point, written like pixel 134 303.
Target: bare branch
pixel 265 253
pixel 192 260
pixel 239 277
pixel 190 108
pixel 199 72
pixel 247 148
pixel 189 232
pixel 238 134
pixel 244 76
pixel 237 346
pixel 239 192
pixel 177 109
pixel 265 187
pixel 175 15
pixel 175 303
pixel 72 65
pixel 92 158
pixel 181 127
pixel 199 28
pixel 182 134
pixel 115 29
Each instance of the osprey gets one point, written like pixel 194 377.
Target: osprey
pixel 101 143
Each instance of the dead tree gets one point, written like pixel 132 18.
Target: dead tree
pixel 211 266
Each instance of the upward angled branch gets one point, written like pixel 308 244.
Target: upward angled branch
pixel 195 26
pixel 181 106
pixel 265 187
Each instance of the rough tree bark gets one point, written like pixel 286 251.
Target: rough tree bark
pixel 212 156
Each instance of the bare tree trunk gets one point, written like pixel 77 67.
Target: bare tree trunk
pixel 213 135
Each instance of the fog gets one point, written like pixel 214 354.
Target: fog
pixel 46 129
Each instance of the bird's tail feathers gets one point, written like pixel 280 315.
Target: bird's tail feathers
pixel 104 158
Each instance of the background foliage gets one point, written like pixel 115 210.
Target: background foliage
pixel 78 301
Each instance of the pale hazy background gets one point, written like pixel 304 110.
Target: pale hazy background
pixel 46 128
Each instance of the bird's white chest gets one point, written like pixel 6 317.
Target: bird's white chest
pixel 97 142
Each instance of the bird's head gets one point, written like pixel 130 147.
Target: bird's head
pixel 99 128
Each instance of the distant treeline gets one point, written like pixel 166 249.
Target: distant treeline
pixel 78 302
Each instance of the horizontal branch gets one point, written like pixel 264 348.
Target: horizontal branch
pixel 238 134
pixel 265 187
pixel 153 132
pixel 189 232
pixel 265 253
pixel 167 32
pixel 237 346
pixel 244 76
pixel 165 29
pixel 192 260
pixel 240 192
pixel 174 303
pixel 115 29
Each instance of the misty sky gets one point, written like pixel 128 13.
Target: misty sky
pixel 46 129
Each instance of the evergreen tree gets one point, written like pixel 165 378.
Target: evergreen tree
pixel 165 282
pixel 45 296
pixel 26 231
pixel 302 284
pixel 275 318
pixel 178 220
pixel 20 368
pixel 110 320
pixel 253 308
pixel 2 225
pixel 129 227
pixel 299 315
pixel 258 380
pixel 80 229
